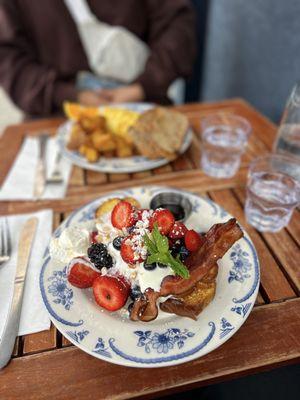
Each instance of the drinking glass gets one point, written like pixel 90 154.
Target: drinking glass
pixel 272 192
pixel 224 138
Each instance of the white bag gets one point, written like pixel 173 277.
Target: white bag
pixel 108 46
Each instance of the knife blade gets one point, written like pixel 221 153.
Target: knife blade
pixel 11 326
pixel 40 177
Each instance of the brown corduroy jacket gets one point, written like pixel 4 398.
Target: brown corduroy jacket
pixel 41 52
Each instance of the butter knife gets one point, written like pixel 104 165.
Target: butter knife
pixel 11 326
pixel 40 177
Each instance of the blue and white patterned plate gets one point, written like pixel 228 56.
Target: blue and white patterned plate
pixel 169 339
pixel 115 165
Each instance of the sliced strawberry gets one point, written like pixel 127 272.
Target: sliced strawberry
pixel 122 215
pixel 93 237
pixel 178 231
pixel 81 274
pixel 164 219
pixel 110 292
pixel 192 240
pixel 127 252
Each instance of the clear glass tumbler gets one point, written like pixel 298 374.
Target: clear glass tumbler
pixel 272 192
pixel 224 138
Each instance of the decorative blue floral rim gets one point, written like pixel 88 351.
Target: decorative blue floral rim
pixel 116 165
pixel 169 344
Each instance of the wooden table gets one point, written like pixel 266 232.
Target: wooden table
pixel 46 366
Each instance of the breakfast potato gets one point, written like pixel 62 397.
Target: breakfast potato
pixel 103 142
pixel 77 137
pixel 123 148
pixel 91 154
pixel 90 124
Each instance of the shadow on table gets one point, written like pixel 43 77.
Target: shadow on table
pixel 282 383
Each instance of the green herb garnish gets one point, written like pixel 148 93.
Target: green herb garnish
pixel 158 247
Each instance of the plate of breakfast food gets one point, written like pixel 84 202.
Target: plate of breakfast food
pixel 124 138
pixel 149 277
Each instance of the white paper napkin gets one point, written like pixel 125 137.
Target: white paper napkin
pixel 34 316
pixel 19 183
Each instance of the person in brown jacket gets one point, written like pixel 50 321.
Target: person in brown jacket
pixel 41 51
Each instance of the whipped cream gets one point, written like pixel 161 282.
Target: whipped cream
pixel 73 242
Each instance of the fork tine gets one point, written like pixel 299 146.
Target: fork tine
pixel 8 238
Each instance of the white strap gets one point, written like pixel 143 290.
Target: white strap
pixel 113 52
pixel 80 11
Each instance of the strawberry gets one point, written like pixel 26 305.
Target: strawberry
pixel 93 237
pixel 139 214
pixel 122 215
pixel 192 240
pixel 164 219
pixel 178 231
pixel 127 252
pixel 81 274
pixel 110 292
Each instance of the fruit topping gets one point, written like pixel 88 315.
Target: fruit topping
pixel 81 273
pixel 122 215
pixel 178 231
pixel 131 250
pixel 150 267
pixel 135 292
pixel 117 242
pixel 164 220
pixel 162 265
pixel 106 207
pixel 192 240
pixel 183 253
pixel 110 292
pixel 93 236
pixel 99 256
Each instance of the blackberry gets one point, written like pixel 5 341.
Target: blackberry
pixel 99 256
pixel 135 293
pixel 117 242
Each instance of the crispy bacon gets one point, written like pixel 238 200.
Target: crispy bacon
pixel 218 240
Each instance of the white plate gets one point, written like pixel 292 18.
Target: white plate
pixel 169 339
pixel 116 165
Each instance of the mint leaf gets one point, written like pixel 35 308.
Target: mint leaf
pixel 159 251
pixel 152 248
pixel 161 241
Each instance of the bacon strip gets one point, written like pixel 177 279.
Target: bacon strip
pixel 218 240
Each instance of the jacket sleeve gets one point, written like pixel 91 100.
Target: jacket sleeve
pixel 33 87
pixel 172 41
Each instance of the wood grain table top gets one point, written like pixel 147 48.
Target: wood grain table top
pixel 46 365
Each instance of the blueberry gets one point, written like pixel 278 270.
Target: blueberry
pixel 131 229
pixel 162 265
pixel 117 242
pixel 129 308
pixel 183 253
pixel 149 267
pixel 135 293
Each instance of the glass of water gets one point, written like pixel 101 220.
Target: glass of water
pixel 272 192
pixel 224 138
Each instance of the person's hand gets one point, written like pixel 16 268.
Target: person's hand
pixel 130 93
pixel 91 98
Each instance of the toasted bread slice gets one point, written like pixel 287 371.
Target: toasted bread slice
pixel 192 303
pixel 159 133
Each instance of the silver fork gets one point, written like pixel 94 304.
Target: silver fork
pixel 56 175
pixel 5 242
